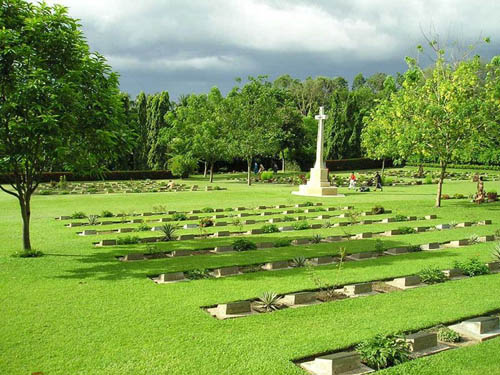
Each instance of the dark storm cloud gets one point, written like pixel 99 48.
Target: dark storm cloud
pixel 190 46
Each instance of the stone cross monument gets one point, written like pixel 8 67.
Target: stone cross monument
pixel 318 185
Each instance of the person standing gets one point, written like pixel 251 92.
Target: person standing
pixel 275 167
pixel 378 182
pixel 480 195
pixel 352 181
pixel 255 168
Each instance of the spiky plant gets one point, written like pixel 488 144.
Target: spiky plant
pixel 93 219
pixel 473 239
pixel 496 252
pixel 299 261
pixel 169 231
pixel 268 301
pixel 316 238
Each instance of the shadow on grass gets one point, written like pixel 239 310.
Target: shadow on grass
pixel 104 266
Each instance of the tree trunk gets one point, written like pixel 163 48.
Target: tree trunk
pixel 205 171
pixel 383 167
pixel 283 162
pixel 249 167
pixel 211 172
pixel 440 184
pixel 24 202
pixel 420 172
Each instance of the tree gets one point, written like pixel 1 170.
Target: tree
pixel 157 108
pixel 358 82
pixel 376 82
pixel 440 116
pixel 252 120
pixel 141 152
pixel 59 103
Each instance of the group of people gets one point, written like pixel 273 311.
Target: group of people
pixel 259 168
pixel 376 181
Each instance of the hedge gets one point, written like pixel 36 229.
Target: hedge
pixel 457 166
pixel 356 164
pixel 111 175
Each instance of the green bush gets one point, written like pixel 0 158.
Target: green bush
pixel 266 176
pixel 384 351
pixel 44 192
pixel 106 213
pixel 406 230
pixel 288 218
pixel 269 228
pixel 143 227
pixel 282 242
pixel 182 165
pixel 169 230
pixel 428 179
pixel 207 210
pixel 243 244
pixel 400 218
pixel 198 274
pixel 301 225
pixel 431 275
pixel 379 245
pixel 179 216
pixel 78 215
pixel 472 267
pixel 448 335
pixel 206 222
pixel 128 240
pixel 378 210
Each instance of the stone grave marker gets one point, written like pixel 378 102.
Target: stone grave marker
pixel 189 226
pixel 337 364
pixel 388 220
pixel 223 233
pixel 223 249
pixel 487 238
pixel 392 232
pixel 255 231
pixel 397 251
pixel 286 228
pixel 363 255
pixel 464 224
pixel 357 289
pixel 485 222
pixel 185 237
pixel 233 308
pixel 424 343
pixel 171 277
pixel 431 246
pixel 88 232
pixel 300 241
pixel 280 264
pixel 301 298
pixel 327 259
pixel 316 226
pixel 226 271
pixel 458 243
pixel 220 224
pixel 107 243
pixel 133 256
pixel 333 238
pixel 249 222
pixel 180 253
pixel 494 267
pixel 443 226
pixel 480 329
pixel 452 273
pixel 406 282
pixel 363 235
pixel 125 230
pixel 275 220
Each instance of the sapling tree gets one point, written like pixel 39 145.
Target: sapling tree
pixel 59 103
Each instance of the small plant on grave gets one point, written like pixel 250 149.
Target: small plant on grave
pixel 288 218
pixel 413 248
pixel 308 204
pixel 198 274
pixel 27 254
pixel 301 225
pixel 383 351
pixel 169 231
pixel 432 275
pixel 282 242
pixel 78 215
pixel 299 262
pixel 316 238
pixel 152 249
pixel 207 210
pixel 44 192
pixel 243 244
pixel 128 240
pixel 142 227
pixel 497 234
pixel 353 216
pixel 453 224
pixel 93 219
pixel 406 230
pixel 268 302
pixel 269 228
pixel 473 239
pixel 327 224
pixel 179 216
pixel 446 334
pixel 496 252
pixel 400 218
pixel 378 210
pixel 379 245
pixel 229 209
pixel 206 222
pixel 160 208
pixel 237 223
pixel 472 267
pixel 106 213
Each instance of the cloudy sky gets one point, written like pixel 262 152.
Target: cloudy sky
pixel 186 46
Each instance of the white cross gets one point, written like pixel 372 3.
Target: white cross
pixel 319 146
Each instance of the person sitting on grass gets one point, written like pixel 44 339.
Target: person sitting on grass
pixel 378 182
pixel 480 195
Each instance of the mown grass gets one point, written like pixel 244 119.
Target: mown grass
pixel 78 310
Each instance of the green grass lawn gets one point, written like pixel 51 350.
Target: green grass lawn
pixel 78 310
